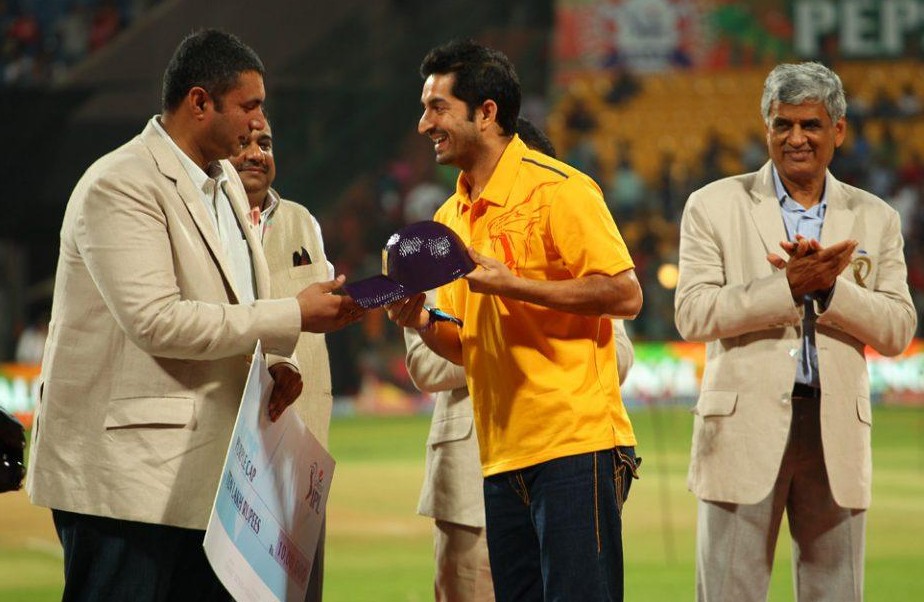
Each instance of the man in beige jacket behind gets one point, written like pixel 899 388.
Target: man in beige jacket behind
pixel 295 254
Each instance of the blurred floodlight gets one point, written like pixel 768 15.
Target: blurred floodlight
pixel 667 275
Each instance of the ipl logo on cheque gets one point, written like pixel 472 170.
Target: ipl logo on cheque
pixel 315 487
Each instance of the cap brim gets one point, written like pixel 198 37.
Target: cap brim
pixel 376 291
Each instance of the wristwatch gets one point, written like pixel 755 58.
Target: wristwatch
pixel 436 314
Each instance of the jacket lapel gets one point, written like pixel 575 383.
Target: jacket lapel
pixel 839 219
pixel 234 189
pixel 170 167
pixel 765 210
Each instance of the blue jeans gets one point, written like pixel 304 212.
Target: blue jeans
pixel 555 529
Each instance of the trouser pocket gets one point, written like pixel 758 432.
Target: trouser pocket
pixel 625 469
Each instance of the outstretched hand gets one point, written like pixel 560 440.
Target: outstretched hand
pixel 323 311
pixel 409 312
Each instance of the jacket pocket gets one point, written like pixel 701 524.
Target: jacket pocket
pixel 864 411
pixel 150 412
pixel 716 403
pixel 315 272
pixel 454 428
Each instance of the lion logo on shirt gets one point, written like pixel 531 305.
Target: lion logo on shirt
pixel 512 232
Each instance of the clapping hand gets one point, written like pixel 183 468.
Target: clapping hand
pixel 810 267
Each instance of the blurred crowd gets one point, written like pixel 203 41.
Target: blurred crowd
pixel 43 39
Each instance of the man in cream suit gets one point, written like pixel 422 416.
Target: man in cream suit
pixel 295 254
pixel 160 297
pixel 452 489
pixel 787 274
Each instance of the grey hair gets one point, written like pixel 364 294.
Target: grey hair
pixel 796 83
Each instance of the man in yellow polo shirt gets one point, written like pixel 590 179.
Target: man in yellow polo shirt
pixel 556 444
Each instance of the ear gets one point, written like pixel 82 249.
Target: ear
pixel 840 131
pixel 199 101
pixel 486 114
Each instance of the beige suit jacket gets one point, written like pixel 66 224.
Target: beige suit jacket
pixel 452 478
pixel 731 298
pixel 289 228
pixel 147 348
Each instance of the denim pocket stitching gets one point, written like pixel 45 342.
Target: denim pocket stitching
pixel 619 472
pixel 519 487
pixel 625 468
pixel 596 508
pixel 631 463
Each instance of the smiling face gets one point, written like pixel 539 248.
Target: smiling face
pixel 449 123
pixel 801 140
pixel 256 165
pixel 235 115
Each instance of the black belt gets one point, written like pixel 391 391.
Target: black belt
pixel 805 391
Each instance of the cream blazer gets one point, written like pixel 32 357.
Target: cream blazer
pixel 731 298
pixel 452 487
pixel 147 348
pixel 290 228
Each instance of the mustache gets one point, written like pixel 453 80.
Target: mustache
pixel 253 164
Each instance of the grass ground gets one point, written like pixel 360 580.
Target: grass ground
pixel 379 550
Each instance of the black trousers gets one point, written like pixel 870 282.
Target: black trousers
pixel 112 559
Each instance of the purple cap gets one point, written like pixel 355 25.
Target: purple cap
pixel 418 257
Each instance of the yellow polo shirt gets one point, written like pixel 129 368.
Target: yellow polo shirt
pixel 543 382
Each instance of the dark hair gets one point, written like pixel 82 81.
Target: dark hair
pixel 481 74
pixel 534 138
pixel 211 59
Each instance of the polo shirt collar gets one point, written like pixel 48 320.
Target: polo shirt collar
pixel 502 179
